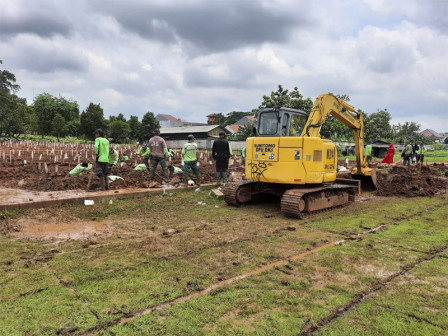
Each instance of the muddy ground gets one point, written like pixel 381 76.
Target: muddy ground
pixel 29 177
pixel 392 180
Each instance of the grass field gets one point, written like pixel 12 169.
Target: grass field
pixel 166 265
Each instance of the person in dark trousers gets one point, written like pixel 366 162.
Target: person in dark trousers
pixel 190 160
pixel 407 155
pixel 414 152
pixel 102 159
pixel 221 154
pixel 158 151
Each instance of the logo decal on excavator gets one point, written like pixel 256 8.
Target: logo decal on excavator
pixel 264 148
pixel 330 153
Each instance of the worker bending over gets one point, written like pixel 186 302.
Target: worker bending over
pixel 158 151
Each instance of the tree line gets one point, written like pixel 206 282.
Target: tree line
pixel 377 125
pixel 61 117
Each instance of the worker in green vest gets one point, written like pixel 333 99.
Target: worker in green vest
pixel 113 159
pixel 144 152
pixel 190 159
pixel 243 155
pixel 368 153
pixel 102 158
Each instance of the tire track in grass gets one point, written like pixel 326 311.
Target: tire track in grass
pixel 310 328
pixel 51 254
pixel 130 316
pixel 415 317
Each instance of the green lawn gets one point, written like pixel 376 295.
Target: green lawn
pixel 144 276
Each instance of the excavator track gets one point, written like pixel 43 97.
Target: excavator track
pixel 237 193
pixel 300 203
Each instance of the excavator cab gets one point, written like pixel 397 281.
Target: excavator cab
pixel 279 122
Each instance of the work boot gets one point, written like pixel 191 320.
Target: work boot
pixel 199 180
pixel 102 183
pixel 218 177
pixel 224 177
pixel 106 182
pixel 167 175
pixel 185 180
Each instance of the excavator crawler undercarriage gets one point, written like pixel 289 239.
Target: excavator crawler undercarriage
pixel 296 202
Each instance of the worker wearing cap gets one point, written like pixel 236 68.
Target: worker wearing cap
pixel 158 151
pixel 113 159
pixel 144 152
pixel 190 159
pixel 102 158
pixel 221 153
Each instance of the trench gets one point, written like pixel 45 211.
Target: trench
pixel 45 257
pixel 310 328
pixel 130 316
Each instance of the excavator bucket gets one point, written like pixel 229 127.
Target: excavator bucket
pixel 368 180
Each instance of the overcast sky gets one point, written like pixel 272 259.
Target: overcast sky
pixel 191 58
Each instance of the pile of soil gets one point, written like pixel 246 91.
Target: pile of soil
pixel 31 178
pixel 400 181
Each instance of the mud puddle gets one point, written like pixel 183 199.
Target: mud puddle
pixel 58 232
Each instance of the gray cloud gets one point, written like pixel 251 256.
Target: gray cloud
pixel 224 25
pixel 46 56
pixel 41 18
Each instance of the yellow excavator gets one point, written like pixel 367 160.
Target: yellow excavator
pixel 288 158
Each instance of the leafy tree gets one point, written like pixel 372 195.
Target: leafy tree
pixel 47 106
pixel 408 132
pixel 335 130
pixel 58 126
pixel 118 117
pixel 446 140
pixel 135 127
pixel 12 115
pixel 285 98
pixel 91 119
pixel 12 108
pixel 377 126
pixel 74 127
pixel 7 82
pixel 149 125
pixel 119 131
pixel 218 119
pixel 31 121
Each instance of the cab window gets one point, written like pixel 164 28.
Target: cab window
pixel 285 123
pixel 297 124
pixel 268 124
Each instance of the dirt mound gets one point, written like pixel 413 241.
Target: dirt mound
pixel 30 177
pixel 400 181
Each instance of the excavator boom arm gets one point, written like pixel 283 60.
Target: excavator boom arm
pixel 328 104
